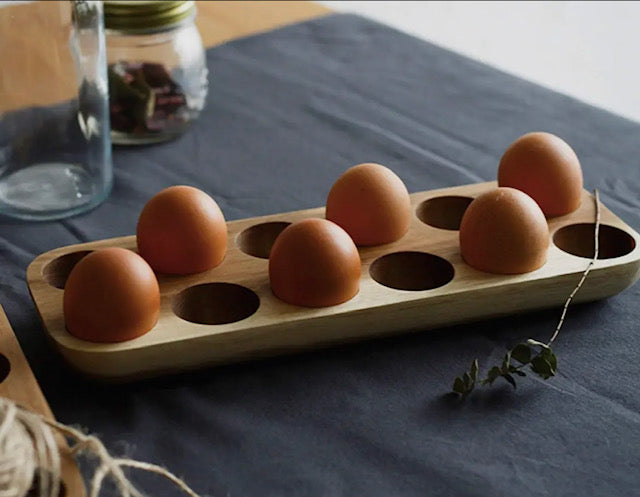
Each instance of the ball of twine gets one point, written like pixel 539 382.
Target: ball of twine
pixel 30 457
pixel 27 449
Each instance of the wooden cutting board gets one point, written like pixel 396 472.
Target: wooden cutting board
pixel 18 383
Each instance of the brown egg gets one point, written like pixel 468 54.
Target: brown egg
pixel 181 230
pixel 547 169
pixel 504 231
pixel 371 203
pixel 111 295
pixel 314 263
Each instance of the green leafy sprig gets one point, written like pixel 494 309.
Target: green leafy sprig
pixel 537 356
pixel 533 355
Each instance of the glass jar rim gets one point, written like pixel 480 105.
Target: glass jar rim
pixel 146 16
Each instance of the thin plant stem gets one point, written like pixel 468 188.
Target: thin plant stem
pixel 596 252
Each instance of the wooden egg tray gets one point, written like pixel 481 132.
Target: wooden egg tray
pixel 229 313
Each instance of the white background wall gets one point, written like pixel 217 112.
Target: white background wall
pixel 590 50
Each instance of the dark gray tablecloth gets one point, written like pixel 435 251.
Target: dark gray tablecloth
pixel 287 112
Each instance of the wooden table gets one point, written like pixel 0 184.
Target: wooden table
pixel 34 42
pixel 223 21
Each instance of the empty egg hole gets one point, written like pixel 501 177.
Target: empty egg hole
pixel 57 271
pixel 578 239
pixel 443 212
pixel 5 367
pixel 258 240
pixel 215 303
pixel 411 271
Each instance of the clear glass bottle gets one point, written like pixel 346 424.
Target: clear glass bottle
pixel 157 69
pixel 55 152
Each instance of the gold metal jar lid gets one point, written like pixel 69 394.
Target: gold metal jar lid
pixel 131 16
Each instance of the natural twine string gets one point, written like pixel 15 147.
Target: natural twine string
pixel 28 446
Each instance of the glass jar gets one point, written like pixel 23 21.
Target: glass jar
pixel 157 69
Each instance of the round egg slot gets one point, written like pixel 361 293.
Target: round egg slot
pixel 56 272
pixel 578 239
pixel 5 367
pixel 257 240
pixel 215 303
pixel 443 212
pixel 411 271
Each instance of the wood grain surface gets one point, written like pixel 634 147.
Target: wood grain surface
pixel 403 293
pixel 219 22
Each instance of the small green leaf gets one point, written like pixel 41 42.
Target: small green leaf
pixel 474 370
pixel 550 357
pixel 542 367
pixel 493 374
pixel 468 383
pixel 521 353
pixel 553 360
pixel 510 379
pixel 458 386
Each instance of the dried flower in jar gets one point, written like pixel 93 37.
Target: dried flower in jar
pixel 144 99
